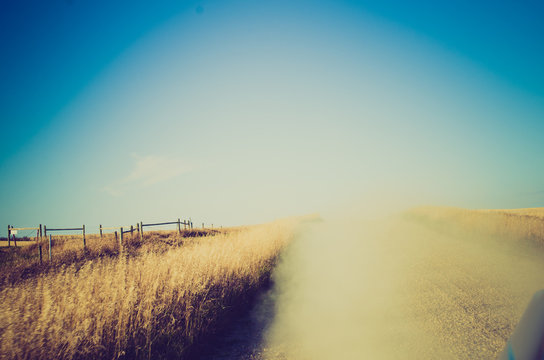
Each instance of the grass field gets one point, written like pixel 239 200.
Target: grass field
pixel 5 243
pixel 23 262
pixel 515 224
pixel 152 301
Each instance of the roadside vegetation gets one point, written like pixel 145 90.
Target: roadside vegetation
pixel 23 261
pixel 153 300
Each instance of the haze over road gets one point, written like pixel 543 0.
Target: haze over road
pixel 391 289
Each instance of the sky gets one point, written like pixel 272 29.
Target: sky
pixel 237 112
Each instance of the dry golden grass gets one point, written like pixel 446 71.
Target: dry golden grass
pixel 154 304
pixel 5 243
pixel 22 262
pixel 519 224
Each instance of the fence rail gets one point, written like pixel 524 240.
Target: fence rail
pixel 132 229
pixel 163 223
pixel 114 227
pixel 82 229
pixel 67 229
pixel 127 231
pixel 25 228
pixel 185 223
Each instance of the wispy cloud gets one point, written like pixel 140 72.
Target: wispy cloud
pixel 147 171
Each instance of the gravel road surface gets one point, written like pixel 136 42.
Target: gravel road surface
pixel 388 290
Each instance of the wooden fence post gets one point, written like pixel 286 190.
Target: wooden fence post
pixel 40 231
pixel 101 231
pixel 131 231
pixel 40 249
pixel 84 242
pixel 116 236
pixel 138 227
pixel 120 239
pixel 9 236
pixel 141 231
pixel 50 247
pixel 179 226
pixel 45 231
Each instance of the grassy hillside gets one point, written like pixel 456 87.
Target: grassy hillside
pixel 151 304
pixel 517 224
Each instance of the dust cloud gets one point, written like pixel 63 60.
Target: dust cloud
pixel 391 288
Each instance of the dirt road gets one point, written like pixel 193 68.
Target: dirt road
pixel 387 290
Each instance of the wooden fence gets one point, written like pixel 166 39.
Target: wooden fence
pixel 12 231
pixel 82 229
pixel 120 228
pixel 185 223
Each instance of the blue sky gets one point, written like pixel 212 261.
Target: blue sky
pixel 237 112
